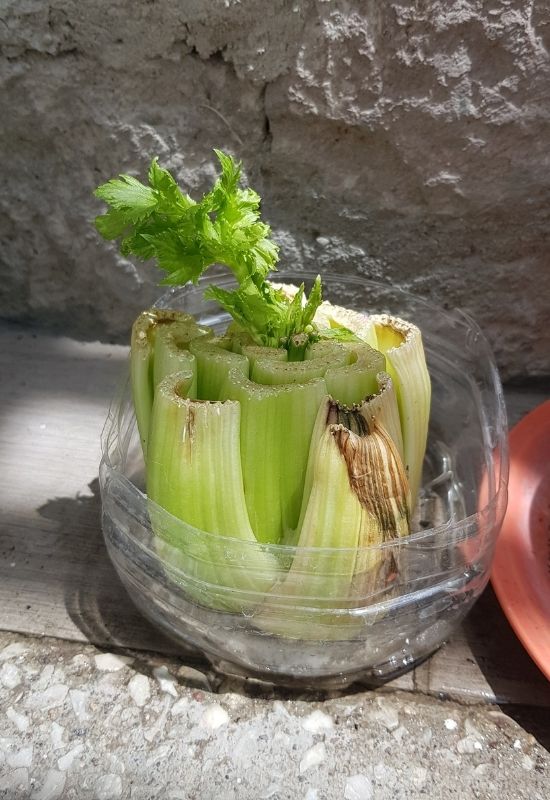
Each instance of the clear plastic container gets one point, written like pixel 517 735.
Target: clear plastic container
pixel 374 631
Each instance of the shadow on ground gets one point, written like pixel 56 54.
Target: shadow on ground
pixel 502 658
pixel 95 599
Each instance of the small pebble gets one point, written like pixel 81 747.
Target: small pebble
pixel 45 678
pixel 20 758
pixel 165 680
pixel 109 662
pixel 527 763
pixel 19 720
pixel 313 757
pixel 13 650
pixel 15 784
pixel 52 788
pixel 469 745
pixel 10 677
pixel 214 717
pixel 79 700
pixel 382 773
pixel 399 733
pixel 279 707
pixel 427 736
pixel 51 697
pixel 387 716
pixel 180 707
pixel 139 689
pixel 317 722
pixel 108 787
pixel 311 794
pixel 65 762
pixel 80 660
pixel 193 678
pixel 419 776
pixel 56 735
pixel 358 787
pixel 451 724
pixel 153 733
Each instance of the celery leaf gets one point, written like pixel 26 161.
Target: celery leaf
pixel 185 237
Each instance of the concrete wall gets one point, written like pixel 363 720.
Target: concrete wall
pixel 408 141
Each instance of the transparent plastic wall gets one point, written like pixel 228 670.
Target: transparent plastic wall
pixel 373 630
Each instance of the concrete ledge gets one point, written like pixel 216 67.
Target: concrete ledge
pixel 81 723
pixel 55 576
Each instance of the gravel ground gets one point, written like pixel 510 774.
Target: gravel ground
pixel 76 722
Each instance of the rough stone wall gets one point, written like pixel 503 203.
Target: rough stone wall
pixel 407 141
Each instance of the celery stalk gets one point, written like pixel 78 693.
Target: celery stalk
pixel 351 384
pixel 142 379
pixel 401 342
pixel 271 372
pixel 359 500
pixel 194 474
pixel 255 352
pixel 150 359
pixel 382 406
pixel 215 360
pixel 171 350
pixel 276 427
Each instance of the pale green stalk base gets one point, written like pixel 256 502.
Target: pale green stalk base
pixel 401 343
pixel 285 463
pixel 255 352
pixel 276 427
pixel 383 408
pixel 270 372
pixel 194 473
pixel 142 389
pixel 171 350
pixel 352 384
pixel 160 339
pixel 359 500
pixel 215 360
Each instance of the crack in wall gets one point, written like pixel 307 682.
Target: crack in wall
pixel 268 133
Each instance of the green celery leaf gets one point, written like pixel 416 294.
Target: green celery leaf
pixel 129 196
pixel 339 334
pixel 170 199
pixel 255 309
pixel 185 237
pixel 176 257
pixel 112 224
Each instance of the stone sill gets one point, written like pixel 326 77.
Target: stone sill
pixel 55 576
